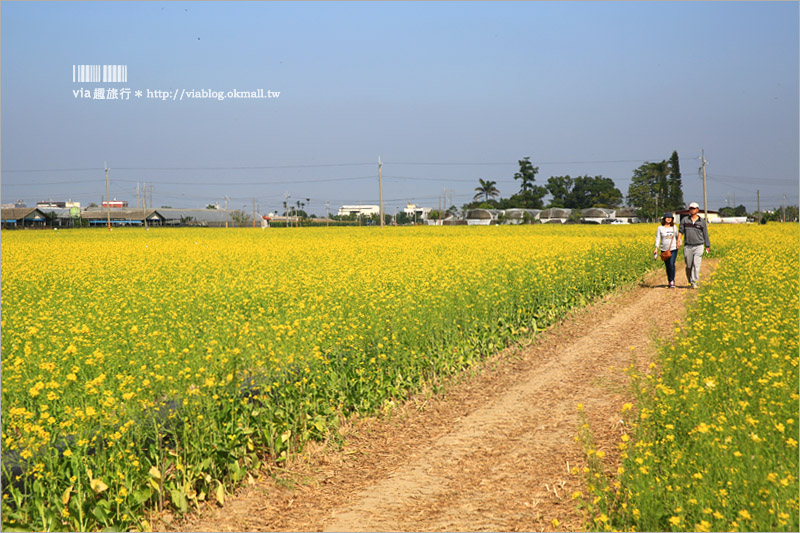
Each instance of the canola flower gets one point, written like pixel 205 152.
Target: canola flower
pixel 714 442
pixel 143 369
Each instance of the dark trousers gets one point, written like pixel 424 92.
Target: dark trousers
pixel 670 264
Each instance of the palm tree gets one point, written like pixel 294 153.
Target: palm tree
pixel 486 189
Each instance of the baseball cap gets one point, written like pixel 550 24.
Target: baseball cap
pixel 694 204
pixel 668 215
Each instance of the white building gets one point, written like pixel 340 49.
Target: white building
pixel 50 204
pixel 555 215
pixel 482 217
pixel 363 210
pixel 598 215
pixel 416 212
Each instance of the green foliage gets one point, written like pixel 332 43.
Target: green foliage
pixel 559 188
pixel 777 215
pixel 240 218
pixel 530 195
pixel 527 174
pixel 713 442
pixel 487 189
pixel 674 195
pixel 738 211
pixel 656 188
pixel 583 192
pixel 647 189
pixel 170 405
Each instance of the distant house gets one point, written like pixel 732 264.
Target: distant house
pixel 482 217
pixel 626 215
pixel 519 215
pixel 62 216
pixel 454 220
pixel 597 215
pixel 728 220
pixel 713 216
pixel 121 216
pixel 206 218
pixel 50 204
pixel 416 212
pixel 555 215
pixel 22 217
pixel 362 210
pixel 115 203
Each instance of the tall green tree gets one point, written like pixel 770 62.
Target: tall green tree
pixel 674 196
pixel 527 174
pixel 559 188
pixel 596 191
pixel 486 189
pixel 647 189
pixel 583 192
pixel 530 195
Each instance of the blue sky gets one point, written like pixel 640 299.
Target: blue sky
pixel 445 92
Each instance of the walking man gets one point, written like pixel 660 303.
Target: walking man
pixel 695 238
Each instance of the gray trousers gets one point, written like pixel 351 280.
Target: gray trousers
pixel 693 254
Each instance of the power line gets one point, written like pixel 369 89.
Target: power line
pixel 324 165
pixel 514 163
pixel 36 184
pixel 190 168
pixel 750 179
pixel 220 181
pixel 55 170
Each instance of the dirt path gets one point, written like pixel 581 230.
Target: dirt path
pixel 491 454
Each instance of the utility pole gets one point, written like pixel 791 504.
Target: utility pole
pixel 783 207
pixel 327 216
pixel 254 213
pixel 286 207
pixel 758 203
pixel 144 215
pixel 226 211
pixel 151 195
pixel 144 205
pixel 108 201
pixel 380 187
pixel 705 194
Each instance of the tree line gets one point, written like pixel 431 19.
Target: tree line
pixel 655 187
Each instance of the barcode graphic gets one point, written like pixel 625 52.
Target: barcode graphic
pixel 99 73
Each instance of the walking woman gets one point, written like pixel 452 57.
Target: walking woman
pixel 668 238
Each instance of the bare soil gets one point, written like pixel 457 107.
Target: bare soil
pixel 491 453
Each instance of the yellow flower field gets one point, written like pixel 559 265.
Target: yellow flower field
pixel 714 445
pixel 147 368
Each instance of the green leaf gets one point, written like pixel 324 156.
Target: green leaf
pixel 179 499
pixel 100 514
pixel 142 496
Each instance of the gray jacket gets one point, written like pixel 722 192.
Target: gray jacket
pixel 694 233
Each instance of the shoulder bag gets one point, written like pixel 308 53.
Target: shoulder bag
pixel 666 254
